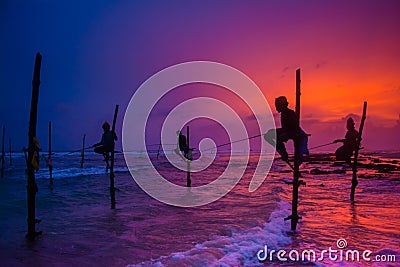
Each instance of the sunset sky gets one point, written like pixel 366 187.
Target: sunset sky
pixel 97 53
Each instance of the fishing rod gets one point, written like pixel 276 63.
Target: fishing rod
pixel 248 138
pixel 69 153
pixel 162 144
pixel 322 145
pixel 159 147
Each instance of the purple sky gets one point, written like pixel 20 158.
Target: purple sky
pixel 97 53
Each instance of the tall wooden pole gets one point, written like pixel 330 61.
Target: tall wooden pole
pixel 188 181
pixel 354 181
pixel 9 142
pixel 32 149
pixel 49 158
pixel 2 151
pixel 112 187
pixel 295 196
pixel 83 150
pixel 298 94
pixel 294 217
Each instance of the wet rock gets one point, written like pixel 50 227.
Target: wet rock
pixel 339 171
pixel 317 171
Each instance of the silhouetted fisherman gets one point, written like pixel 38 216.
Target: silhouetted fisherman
pixel 182 144
pixel 349 143
pixel 290 130
pixel 106 145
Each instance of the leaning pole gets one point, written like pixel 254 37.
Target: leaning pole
pixel 294 217
pixel 295 197
pixel 33 150
pixel 112 175
pixel 354 181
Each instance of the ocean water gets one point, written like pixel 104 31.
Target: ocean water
pixel 80 228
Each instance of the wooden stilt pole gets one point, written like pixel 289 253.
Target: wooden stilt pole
pixel 49 158
pixel 294 217
pixel 189 158
pixel 2 151
pixel 32 149
pixel 83 150
pixel 354 181
pixel 9 142
pixel 112 187
pixel 158 151
pixel 298 94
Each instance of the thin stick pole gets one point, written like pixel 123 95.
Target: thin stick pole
pixel 354 181
pixel 2 151
pixel 49 158
pixel 247 138
pixel 331 143
pixel 32 150
pixel 9 142
pixel 158 151
pixel 112 187
pixel 188 181
pixel 295 196
pixel 83 150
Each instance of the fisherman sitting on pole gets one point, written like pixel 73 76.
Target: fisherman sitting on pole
pixel 349 143
pixel 182 145
pixel 106 145
pixel 290 130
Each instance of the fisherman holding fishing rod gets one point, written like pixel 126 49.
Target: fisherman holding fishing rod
pixel 349 142
pixel 106 145
pixel 290 130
